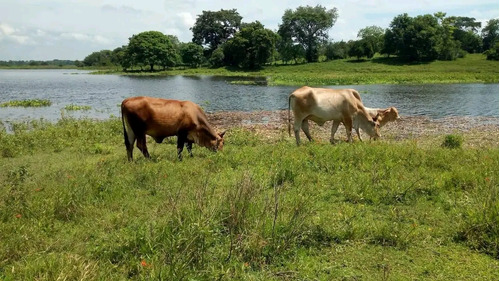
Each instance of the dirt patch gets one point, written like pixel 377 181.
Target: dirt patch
pixel 274 124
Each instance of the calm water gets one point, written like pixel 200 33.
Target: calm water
pixel 104 93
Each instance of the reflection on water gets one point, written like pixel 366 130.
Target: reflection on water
pixel 104 93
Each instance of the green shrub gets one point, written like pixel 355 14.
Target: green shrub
pixel 452 141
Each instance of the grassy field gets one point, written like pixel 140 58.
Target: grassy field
pixel 474 68
pixel 73 208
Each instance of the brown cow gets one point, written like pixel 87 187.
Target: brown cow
pixel 321 105
pixel 161 118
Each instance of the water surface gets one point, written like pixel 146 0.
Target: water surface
pixel 104 93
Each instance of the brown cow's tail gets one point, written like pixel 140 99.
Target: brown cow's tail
pixel 125 135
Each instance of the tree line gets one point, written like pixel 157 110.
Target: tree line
pixel 220 38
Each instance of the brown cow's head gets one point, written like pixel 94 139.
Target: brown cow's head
pixel 219 142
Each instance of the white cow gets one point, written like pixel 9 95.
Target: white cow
pixel 321 105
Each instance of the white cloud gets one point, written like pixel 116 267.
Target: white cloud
pixel 6 29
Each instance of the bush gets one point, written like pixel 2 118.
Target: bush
pixel 452 141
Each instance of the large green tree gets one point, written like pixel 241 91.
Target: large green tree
pixel 466 31
pixel 372 36
pixel 307 26
pixel 212 28
pixel 151 48
pixel 422 38
pixel 251 47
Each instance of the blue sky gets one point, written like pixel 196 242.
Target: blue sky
pixel 72 29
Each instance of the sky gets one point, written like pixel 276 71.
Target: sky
pixel 73 29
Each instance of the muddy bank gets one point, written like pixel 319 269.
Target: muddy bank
pixel 275 123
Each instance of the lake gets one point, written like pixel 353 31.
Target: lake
pixel 104 93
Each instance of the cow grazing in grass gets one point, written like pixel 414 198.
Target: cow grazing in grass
pixel 321 105
pixel 161 118
pixel 384 115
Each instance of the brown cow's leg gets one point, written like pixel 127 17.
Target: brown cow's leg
pixel 141 144
pixel 305 128
pixel 181 140
pixel 129 144
pixel 335 126
pixel 189 146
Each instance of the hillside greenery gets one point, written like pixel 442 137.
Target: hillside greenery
pixel 72 207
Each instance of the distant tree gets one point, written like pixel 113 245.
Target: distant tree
pixel 308 27
pixel 151 48
pixel 490 34
pixel 212 28
pixel 336 50
pixel 191 54
pixel 101 58
pixel 373 36
pixel 217 57
pixel 361 48
pixel 423 38
pixel 287 49
pixel 118 54
pixel 466 32
pixel 251 47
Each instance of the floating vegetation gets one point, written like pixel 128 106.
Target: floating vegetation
pixel 249 82
pixel 26 103
pixel 74 107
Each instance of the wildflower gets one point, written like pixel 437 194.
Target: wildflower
pixel 19 216
pixel 487 179
pixel 246 264
pixel 144 263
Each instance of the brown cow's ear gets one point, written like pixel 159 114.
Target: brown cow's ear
pixel 222 134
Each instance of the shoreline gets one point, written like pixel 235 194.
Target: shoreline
pixel 274 125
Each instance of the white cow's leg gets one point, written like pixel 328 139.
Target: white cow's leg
pixel 305 128
pixel 348 129
pixel 296 129
pixel 335 126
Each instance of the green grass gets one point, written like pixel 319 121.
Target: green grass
pixel 474 68
pixel 72 207
pixel 26 103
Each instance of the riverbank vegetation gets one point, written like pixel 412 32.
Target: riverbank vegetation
pixel 26 103
pixel 380 70
pixel 73 207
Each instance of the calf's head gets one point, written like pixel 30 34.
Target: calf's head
pixel 373 127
